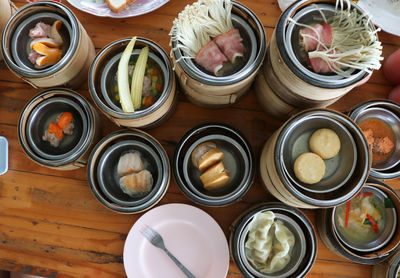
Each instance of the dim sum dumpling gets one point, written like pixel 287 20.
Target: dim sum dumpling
pixel 130 163
pixel 269 243
pixel 136 183
pixel 259 242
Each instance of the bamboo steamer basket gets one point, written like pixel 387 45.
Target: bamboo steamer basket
pixel 291 86
pixel 387 269
pixel 210 91
pixel 150 117
pixel 324 223
pixel 276 179
pixel 71 71
pixel 7 9
pixel 133 138
pixel 35 112
pixel 291 217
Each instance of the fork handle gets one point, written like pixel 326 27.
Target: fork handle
pixel 179 264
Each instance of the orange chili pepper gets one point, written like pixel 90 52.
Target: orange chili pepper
pixel 64 119
pixel 158 87
pixel 56 130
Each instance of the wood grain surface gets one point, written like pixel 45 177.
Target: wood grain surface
pixel 50 222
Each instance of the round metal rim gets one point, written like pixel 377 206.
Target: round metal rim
pixel 137 114
pixel 86 143
pixel 281 41
pixel 36 110
pixel 377 246
pixel 277 207
pixel 104 188
pixel 300 234
pixel 74 39
pixel 390 105
pixel 293 180
pixel 187 158
pixel 18 29
pixel 245 72
pixel 111 62
pixel 91 172
pixel 316 76
pixel 198 199
pixel 295 191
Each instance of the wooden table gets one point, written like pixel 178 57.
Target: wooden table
pixel 50 222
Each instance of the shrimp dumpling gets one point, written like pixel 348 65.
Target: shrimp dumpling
pixel 130 163
pixel 136 183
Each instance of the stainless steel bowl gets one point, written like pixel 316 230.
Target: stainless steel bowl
pixel 357 177
pixel 108 177
pixel 254 40
pixel 393 121
pixel 15 40
pixel 384 236
pixel 106 154
pixel 297 254
pixel 103 69
pixel 47 112
pixel 110 72
pixel 44 109
pixel 295 142
pixel 287 36
pixel 304 251
pixel 238 158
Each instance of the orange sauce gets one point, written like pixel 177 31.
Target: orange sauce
pixel 380 129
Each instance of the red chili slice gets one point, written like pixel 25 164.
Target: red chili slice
pixel 373 223
pixel 346 222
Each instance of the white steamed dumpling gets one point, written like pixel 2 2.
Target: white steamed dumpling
pixel 269 243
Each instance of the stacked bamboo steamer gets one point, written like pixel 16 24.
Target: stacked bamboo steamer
pixel 7 9
pixel 284 86
pixel 71 70
pixel 282 148
pixel 209 91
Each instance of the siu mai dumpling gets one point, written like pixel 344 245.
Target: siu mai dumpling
pixel 136 183
pixel 130 163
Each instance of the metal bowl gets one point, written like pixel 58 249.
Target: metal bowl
pixel 110 71
pixel 393 121
pixel 295 141
pixel 384 236
pixel 304 251
pixel 357 178
pixel 102 170
pixel 254 40
pixel 102 72
pixel 15 40
pixel 238 158
pixel 287 36
pixel 47 112
pixel 108 177
pixel 44 109
pixel 297 254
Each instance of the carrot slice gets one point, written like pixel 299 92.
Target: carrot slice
pixel 64 119
pixel 56 130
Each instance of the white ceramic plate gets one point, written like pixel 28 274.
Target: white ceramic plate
pixel 385 14
pixel 139 7
pixel 189 233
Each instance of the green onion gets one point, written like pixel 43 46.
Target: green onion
pixel 123 78
pixel 388 203
pixel 138 76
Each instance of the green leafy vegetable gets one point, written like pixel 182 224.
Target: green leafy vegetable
pixel 388 203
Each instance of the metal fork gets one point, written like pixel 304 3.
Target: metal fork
pixel 155 238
